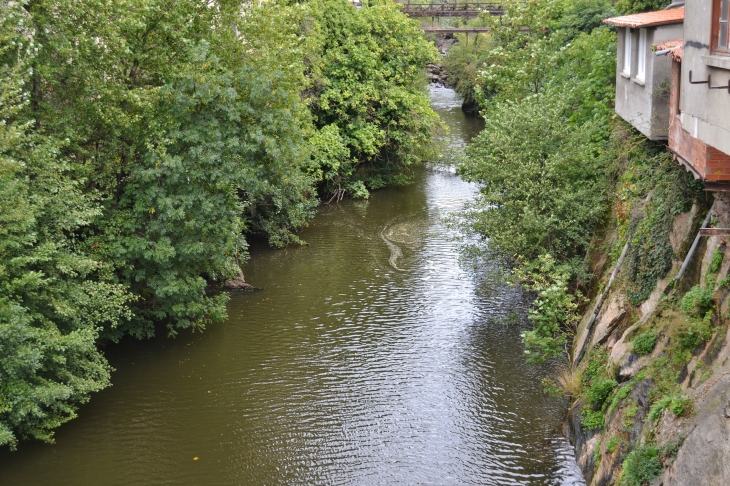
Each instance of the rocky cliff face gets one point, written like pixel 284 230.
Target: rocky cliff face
pixel 654 401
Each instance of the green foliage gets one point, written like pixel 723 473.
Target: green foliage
pixel 673 191
pixel 641 466
pixel 678 405
pixel 697 301
pixel 612 444
pixel 598 392
pixel 636 6
pixel 142 140
pixel 716 263
pixel 584 16
pixel 621 394
pixel 596 366
pixel 629 416
pixel 550 194
pixel 695 333
pixel 658 407
pixel 54 297
pixel 367 94
pixel 549 387
pixel 592 420
pixel 554 310
pixel 644 343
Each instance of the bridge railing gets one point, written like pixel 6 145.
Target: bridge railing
pixel 452 9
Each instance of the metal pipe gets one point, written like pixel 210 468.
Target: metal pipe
pixel 694 246
pixel 600 303
pixel 674 5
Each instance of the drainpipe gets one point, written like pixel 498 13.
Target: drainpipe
pixel 600 303
pixel 694 246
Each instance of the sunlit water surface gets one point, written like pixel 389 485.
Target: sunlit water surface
pixel 369 356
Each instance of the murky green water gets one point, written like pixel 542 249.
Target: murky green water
pixel 367 357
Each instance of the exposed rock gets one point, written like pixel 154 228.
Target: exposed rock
pixel 238 283
pixel 704 457
pixel 683 229
pixel 585 442
pixel 613 314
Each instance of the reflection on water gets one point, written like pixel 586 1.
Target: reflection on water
pixel 367 357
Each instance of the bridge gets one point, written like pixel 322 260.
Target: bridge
pixel 449 8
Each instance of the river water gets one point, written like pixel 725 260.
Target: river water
pixel 373 355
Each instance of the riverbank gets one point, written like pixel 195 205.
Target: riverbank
pixel 357 362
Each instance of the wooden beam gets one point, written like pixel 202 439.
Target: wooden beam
pixel 717 186
pixel 714 231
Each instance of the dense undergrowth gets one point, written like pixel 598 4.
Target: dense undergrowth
pixel 557 166
pixel 142 142
pixel 561 176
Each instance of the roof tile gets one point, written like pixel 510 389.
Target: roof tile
pixel 648 19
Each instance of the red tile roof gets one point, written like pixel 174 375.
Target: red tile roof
pixel 676 48
pixel 648 19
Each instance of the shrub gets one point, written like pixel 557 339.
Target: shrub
pixel 696 333
pixel 680 405
pixel 612 444
pixel 622 393
pixel 599 391
pixel 641 466
pixel 677 405
pixel 658 407
pixel 644 343
pixel 591 420
pixel 697 301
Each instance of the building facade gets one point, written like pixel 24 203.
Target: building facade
pixel 643 79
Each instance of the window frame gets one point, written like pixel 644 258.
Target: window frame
pixel 641 56
pixel 628 47
pixel 715 47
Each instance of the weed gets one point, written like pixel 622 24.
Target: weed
pixel 696 333
pixel 598 392
pixel 677 405
pixel 612 444
pixel 641 466
pixel 549 387
pixel 697 301
pixel 591 420
pixel 571 380
pixel 644 343
pixel 716 262
pixel 629 414
pixel 658 407
pixel 622 393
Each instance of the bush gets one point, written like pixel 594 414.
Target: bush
pixel 591 420
pixel 696 333
pixel 677 405
pixel 598 392
pixel 641 466
pixel 644 343
pixel 697 301
pixel 612 444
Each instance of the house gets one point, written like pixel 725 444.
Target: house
pixel 642 79
pixel 700 94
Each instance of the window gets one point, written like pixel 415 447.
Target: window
pixel 719 41
pixel 641 56
pixel 627 51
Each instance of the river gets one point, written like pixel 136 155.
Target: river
pixel 373 355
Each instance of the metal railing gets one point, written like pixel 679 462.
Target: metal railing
pixel 449 9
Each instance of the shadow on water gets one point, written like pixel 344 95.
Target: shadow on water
pixel 367 357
